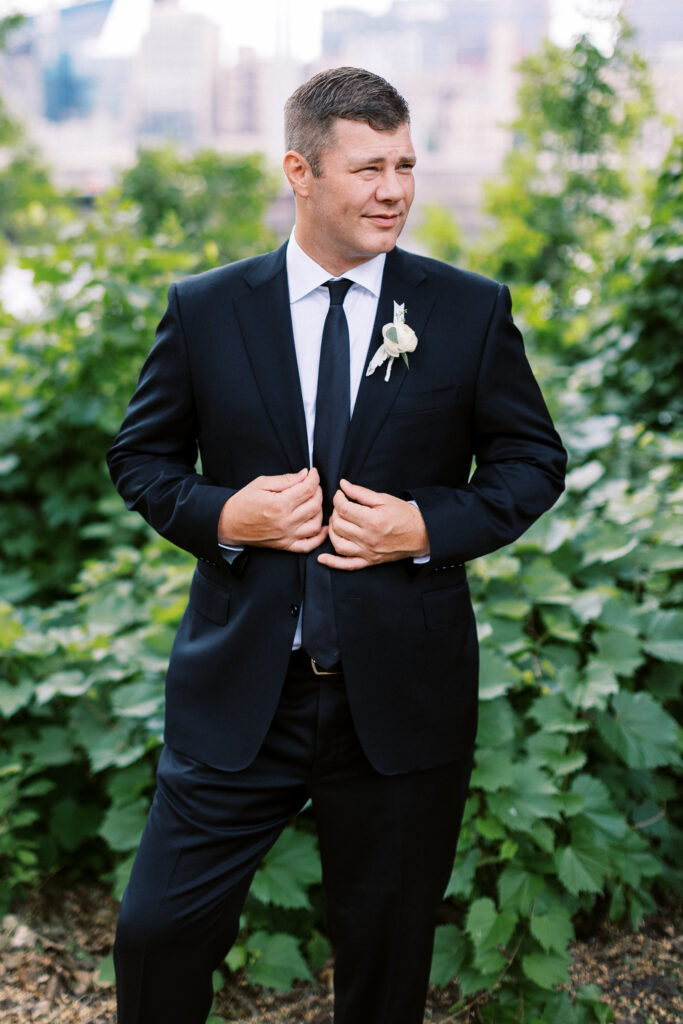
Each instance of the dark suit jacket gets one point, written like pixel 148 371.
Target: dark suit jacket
pixel 222 380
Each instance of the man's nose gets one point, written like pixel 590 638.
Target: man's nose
pixel 391 187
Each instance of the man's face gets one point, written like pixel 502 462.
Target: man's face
pixel 359 204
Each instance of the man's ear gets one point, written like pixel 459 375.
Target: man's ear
pixel 298 172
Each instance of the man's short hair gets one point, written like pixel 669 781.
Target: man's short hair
pixel 350 93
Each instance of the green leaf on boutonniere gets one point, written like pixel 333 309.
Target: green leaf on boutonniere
pixel 392 334
pixel 404 357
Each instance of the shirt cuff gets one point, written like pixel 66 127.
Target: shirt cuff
pixel 419 559
pixel 230 552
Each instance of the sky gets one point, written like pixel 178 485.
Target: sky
pixel 259 23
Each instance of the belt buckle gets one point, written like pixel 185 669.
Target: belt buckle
pixel 322 671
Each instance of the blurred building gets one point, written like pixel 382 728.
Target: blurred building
pixel 174 77
pixel 99 78
pixel 454 61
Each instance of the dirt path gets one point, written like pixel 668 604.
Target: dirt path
pixel 51 950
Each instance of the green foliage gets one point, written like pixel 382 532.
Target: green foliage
pixel 71 370
pixel 569 186
pixel 572 807
pixel 440 232
pixel 210 199
pixel 573 792
pixel 26 193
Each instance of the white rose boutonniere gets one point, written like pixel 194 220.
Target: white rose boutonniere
pixel 399 340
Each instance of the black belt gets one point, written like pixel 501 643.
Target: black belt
pixel 302 662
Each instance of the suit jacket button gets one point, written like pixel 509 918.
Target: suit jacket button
pixel 294 609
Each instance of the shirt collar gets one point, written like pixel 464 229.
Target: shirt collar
pixel 304 275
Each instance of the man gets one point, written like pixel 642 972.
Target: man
pixel 328 650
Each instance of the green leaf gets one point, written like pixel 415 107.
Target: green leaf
pixel 139 700
pixel 72 822
pixel 106 974
pixel 488 927
pixel 448 956
pixel 606 543
pixel 122 826
pixel 237 956
pixel 621 651
pixel 547 969
pixel 542 834
pixel 71 684
pixel 553 929
pixel 121 876
pixel 526 795
pixel 462 876
pixel 52 746
pixel 496 724
pixel 598 808
pixel 11 630
pixel 553 714
pixel 15 697
pixel 318 951
pixel 665 636
pixel 491 766
pixel 640 731
pixel 593 687
pixel 583 866
pixel 496 675
pixel 583 477
pixel 516 608
pixel 275 960
pixel 550 750
pixel 545 585
pixel 287 869
pixel 517 888
pixel 108 742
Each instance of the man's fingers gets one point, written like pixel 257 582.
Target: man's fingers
pixel 361 495
pixel 304 489
pixel 346 538
pixel 341 562
pixel 308 527
pixel 303 545
pixel 348 511
pixel 283 481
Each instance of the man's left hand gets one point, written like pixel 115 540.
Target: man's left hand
pixel 367 528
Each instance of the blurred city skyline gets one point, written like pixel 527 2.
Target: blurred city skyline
pixel 294 27
pixel 90 104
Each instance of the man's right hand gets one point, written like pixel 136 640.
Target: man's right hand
pixel 276 512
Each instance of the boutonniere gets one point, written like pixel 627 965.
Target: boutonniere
pixel 399 340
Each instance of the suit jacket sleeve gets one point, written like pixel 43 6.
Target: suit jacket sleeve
pixel 520 461
pixel 152 461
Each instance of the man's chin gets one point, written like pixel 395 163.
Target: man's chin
pixel 384 240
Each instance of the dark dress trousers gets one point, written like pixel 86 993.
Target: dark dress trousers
pixel 221 382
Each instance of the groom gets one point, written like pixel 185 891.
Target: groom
pixel 328 650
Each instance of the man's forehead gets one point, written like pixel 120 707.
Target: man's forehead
pixel 358 137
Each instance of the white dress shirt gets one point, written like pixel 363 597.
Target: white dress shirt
pixel 309 302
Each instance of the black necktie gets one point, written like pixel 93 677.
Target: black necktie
pixel 331 424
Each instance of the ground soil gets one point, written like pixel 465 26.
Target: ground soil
pixel 52 972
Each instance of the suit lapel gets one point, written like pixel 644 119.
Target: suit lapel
pixel 403 281
pixel 265 321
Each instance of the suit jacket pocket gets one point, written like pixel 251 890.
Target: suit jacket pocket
pixel 210 601
pixel 436 400
pixel 445 607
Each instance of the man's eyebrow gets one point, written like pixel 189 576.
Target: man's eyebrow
pixel 408 158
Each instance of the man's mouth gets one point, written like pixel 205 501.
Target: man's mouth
pixel 384 219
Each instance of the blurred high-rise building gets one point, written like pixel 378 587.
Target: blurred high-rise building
pixel 173 80
pixel 455 61
pixel 98 78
